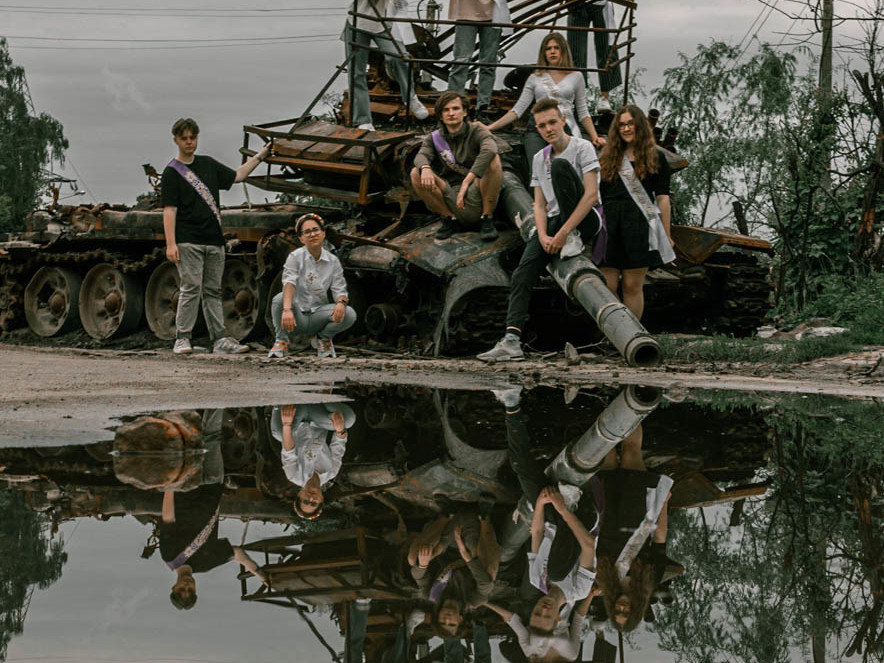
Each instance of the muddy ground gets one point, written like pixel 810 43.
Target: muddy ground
pixel 54 395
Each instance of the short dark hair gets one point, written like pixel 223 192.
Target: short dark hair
pixel 304 218
pixel 183 601
pixel 446 98
pixel 183 124
pixel 545 105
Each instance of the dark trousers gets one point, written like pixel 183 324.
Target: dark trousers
pixel 582 15
pixel 568 188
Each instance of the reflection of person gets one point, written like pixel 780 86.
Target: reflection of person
pixel 565 180
pixel 631 545
pixel 308 460
pixel 194 239
pixel 188 531
pixel 368 30
pixel 473 13
pixel 302 308
pixel 599 14
pixel 635 190
pixel 455 584
pixel 457 172
pixel 566 87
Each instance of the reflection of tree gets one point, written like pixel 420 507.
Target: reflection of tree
pixel 804 569
pixel 28 558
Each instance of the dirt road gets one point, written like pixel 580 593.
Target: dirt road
pixel 73 395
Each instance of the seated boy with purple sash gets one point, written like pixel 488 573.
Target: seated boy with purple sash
pixel 457 172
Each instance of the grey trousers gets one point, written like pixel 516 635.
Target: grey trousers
pixel 318 323
pixel 360 103
pixel 465 35
pixel 200 268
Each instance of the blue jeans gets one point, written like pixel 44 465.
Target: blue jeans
pixel 318 323
pixel 465 35
pixel 360 104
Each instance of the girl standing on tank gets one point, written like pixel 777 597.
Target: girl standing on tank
pixel 566 86
pixel 634 190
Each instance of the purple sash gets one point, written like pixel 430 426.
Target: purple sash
pixel 201 189
pixel 447 154
pixel 196 544
pixel 600 241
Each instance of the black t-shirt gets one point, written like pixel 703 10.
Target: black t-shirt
pixel 193 511
pixel 195 223
pixel 656 184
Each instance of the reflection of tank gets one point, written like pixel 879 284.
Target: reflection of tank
pixel 103 268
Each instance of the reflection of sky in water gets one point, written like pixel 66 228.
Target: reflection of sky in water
pixel 111 605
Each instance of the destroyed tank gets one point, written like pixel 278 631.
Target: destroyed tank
pixel 103 268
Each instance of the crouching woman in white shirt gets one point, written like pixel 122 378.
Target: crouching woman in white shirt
pixel 303 307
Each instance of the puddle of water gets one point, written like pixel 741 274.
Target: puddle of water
pixel 706 524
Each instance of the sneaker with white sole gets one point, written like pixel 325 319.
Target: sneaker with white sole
pixel 573 245
pixel 509 348
pixel 419 111
pixel 228 346
pixel 603 105
pixel 368 126
pixel 279 350
pixel 325 348
pixel 508 397
pixel 182 347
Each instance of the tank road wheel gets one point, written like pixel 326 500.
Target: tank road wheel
pixel 239 436
pixel 242 298
pixel 274 289
pixel 52 301
pixel 161 301
pixel 111 302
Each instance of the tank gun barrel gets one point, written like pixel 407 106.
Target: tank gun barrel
pixel 581 279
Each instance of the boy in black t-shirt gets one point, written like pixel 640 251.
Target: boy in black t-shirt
pixel 194 238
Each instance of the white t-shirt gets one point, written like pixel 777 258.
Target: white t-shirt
pixel 580 153
pixel 575 586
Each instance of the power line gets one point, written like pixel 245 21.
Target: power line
pixel 304 40
pixel 172 41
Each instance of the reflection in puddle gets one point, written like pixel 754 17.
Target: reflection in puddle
pixel 413 524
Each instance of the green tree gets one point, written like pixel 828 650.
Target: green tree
pixel 28 143
pixel 29 558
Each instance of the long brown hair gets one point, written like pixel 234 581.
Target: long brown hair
pixel 567 60
pixel 644 147
pixel 641 586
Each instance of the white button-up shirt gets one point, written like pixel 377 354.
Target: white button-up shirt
pixel 314 278
pixel 312 454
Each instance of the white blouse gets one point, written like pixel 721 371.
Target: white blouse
pixel 570 92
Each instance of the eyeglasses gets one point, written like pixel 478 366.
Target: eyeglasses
pixel 623 125
pixel 311 231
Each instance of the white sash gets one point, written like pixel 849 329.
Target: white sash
pixel 655 500
pixel 657 239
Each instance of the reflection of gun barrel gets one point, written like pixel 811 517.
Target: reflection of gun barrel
pixel 671 135
pixel 581 279
pixel 653 117
pixel 578 461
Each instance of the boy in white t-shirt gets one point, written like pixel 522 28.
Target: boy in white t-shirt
pixel 565 179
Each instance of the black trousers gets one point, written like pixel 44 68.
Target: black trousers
pixel 582 14
pixel 568 188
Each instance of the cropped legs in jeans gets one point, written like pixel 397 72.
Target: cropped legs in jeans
pixel 318 323
pixel 464 44
pixel 361 104
pixel 582 15
pixel 200 269
pixel 568 189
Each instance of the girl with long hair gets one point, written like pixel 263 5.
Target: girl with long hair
pixel 634 190
pixel 564 85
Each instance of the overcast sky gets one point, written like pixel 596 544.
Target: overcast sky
pixel 203 58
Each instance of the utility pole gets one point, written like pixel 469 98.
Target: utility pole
pixel 825 83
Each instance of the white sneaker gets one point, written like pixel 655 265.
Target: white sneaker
pixel 509 348
pixel 419 111
pixel 279 350
pixel 182 347
pixel 325 348
pixel 508 397
pixel 573 245
pixel 228 346
pixel 603 105
pixel 368 126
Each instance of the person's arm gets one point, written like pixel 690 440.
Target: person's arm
pixel 524 102
pixel 169 214
pixel 287 415
pixel 241 557
pixel 423 162
pixel 584 538
pixel 587 201
pixel 582 112
pixel 662 524
pixel 540 216
pixel 289 278
pixel 483 142
pixel 246 169
pixel 504 120
pixel 339 292
pixel 169 506
pixel 589 127
pixel 505 615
